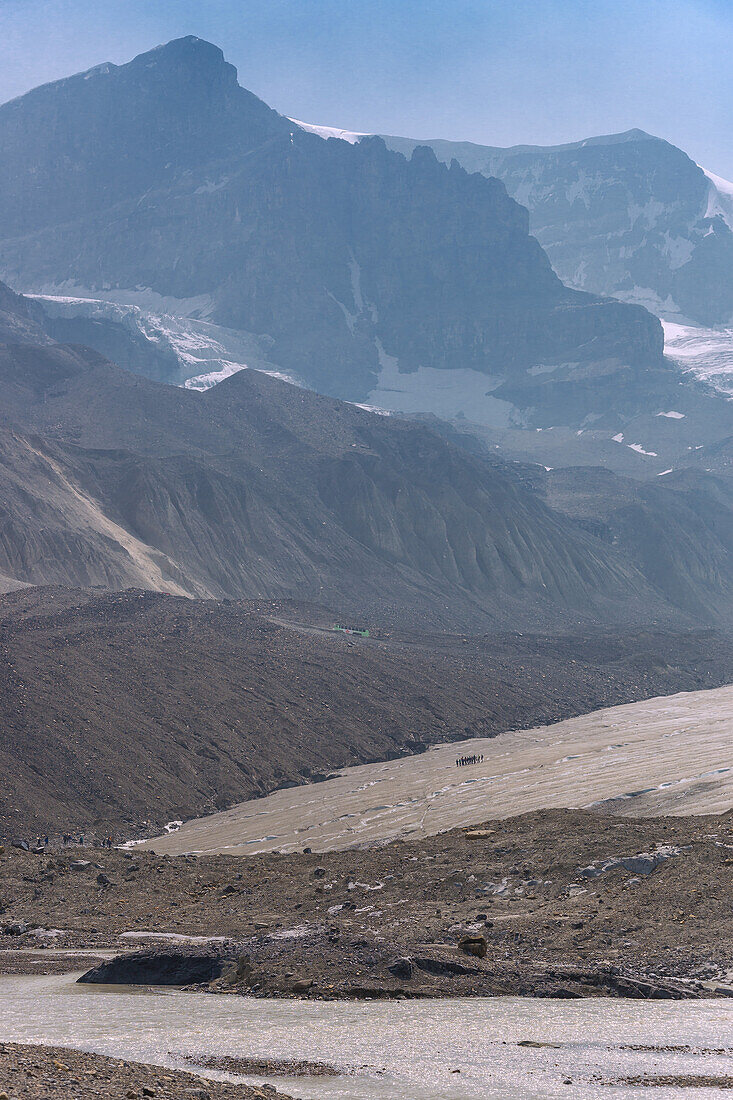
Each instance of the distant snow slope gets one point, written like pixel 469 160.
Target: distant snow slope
pixel 448 394
pixel 721 197
pixel 330 131
pixel 705 352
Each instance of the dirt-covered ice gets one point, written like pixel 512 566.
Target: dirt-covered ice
pixel 669 755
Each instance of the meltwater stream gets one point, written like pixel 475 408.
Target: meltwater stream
pixel 389 1051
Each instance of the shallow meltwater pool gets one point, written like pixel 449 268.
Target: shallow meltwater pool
pixel 406 1050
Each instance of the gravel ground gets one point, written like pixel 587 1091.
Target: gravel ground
pixel 42 1073
pixel 557 914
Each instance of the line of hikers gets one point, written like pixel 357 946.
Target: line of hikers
pixel 475 759
pixel 106 842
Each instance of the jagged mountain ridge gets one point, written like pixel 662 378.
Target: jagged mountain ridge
pixel 629 215
pixel 352 261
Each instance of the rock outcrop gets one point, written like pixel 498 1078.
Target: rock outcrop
pixel 160 967
pixel 19 323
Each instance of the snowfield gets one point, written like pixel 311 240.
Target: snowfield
pixel 206 353
pixel 329 131
pixel 707 353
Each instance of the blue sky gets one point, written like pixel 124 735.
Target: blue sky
pixel 498 72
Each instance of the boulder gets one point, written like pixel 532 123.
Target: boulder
pixel 473 945
pixel 641 864
pixel 180 967
pixel 16 928
pixel 240 973
pixel 402 969
pixel 644 863
pixel 22 844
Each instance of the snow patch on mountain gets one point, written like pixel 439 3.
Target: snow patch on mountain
pixel 449 394
pixel 329 131
pixel 640 450
pixel 725 186
pixel 707 353
pixel 665 308
pixel 201 306
pixel 203 382
pixel 678 250
pixel 720 199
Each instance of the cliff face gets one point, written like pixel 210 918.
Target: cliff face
pixel 351 261
pixel 628 215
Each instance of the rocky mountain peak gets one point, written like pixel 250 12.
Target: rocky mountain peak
pixel 188 57
pixel 127 129
pixel 625 137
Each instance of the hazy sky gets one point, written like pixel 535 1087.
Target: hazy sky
pixel 498 72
